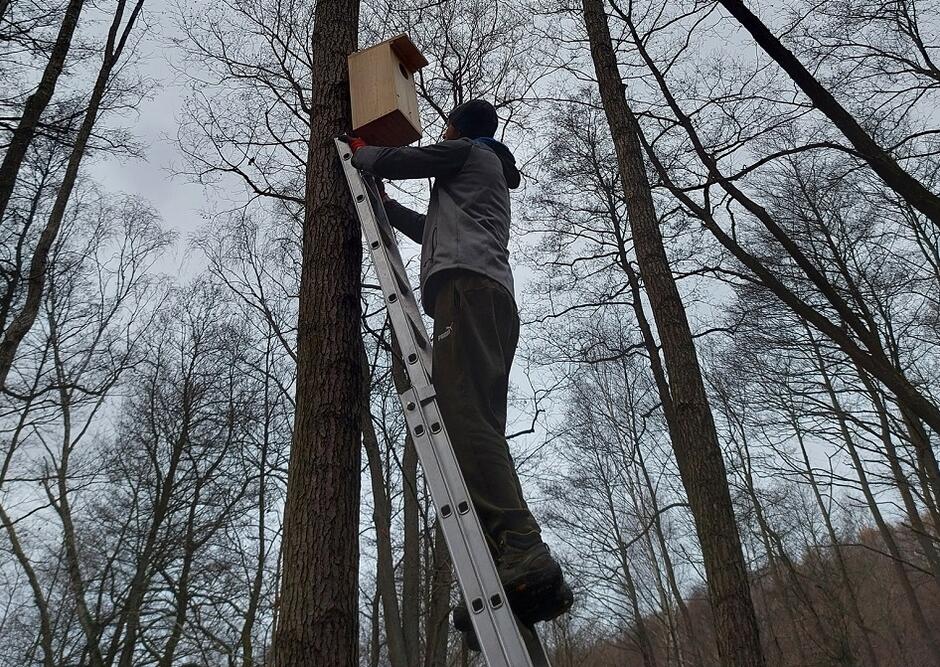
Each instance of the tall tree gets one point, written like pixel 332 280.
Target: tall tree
pixel 692 428
pixel 318 614
pixel 852 330
pixel 123 21
pixel 880 160
pixel 37 102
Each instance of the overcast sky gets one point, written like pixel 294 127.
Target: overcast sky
pixel 155 125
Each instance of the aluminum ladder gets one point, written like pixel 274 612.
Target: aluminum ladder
pixel 505 642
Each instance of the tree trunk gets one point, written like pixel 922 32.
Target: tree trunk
pixel 872 357
pixel 671 631
pixel 319 603
pixel 42 606
pixel 847 585
pixel 897 559
pixel 928 471
pixel 780 585
pixel 784 574
pixel 662 389
pixel 62 505
pixel 695 645
pixel 254 593
pixel 695 441
pixel 375 644
pixel 411 558
pixel 924 539
pixel 15 273
pixel 382 518
pixel 182 592
pixel 640 630
pixel 436 628
pixel 130 614
pixel 36 103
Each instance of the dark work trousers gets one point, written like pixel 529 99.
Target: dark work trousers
pixel 476 328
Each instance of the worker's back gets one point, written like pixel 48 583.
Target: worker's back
pixel 469 216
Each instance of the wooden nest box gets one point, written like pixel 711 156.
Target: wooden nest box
pixel 382 91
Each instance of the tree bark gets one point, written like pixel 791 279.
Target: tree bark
pixel 411 557
pixel 375 644
pixel 436 627
pixel 62 504
pixel 319 604
pixel 254 593
pixel 182 592
pixel 662 389
pixel 37 102
pixel 695 441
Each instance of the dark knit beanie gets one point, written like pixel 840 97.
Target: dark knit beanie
pixel 474 119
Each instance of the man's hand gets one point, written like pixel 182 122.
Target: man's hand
pixel 355 143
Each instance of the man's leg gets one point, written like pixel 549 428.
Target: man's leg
pixel 476 329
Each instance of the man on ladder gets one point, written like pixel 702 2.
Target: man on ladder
pixel 467 287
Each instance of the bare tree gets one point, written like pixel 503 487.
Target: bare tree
pixel 37 102
pixel 694 439
pixel 95 311
pixel 880 160
pixel 119 33
pixel 318 619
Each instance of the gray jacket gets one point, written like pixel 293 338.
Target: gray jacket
pixel 467 223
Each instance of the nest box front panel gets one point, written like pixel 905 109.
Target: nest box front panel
pixel 382 92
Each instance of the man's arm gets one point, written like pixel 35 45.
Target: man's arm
pixel 442 159
pixel 410 223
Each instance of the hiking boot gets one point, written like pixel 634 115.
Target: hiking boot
pixel 560 602
pixel 555 605
pixel 530 576
pixel 532 579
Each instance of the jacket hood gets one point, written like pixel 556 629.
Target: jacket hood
pixel 506 157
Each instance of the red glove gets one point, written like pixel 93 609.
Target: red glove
pixel 355 143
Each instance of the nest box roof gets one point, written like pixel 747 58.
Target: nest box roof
pixel 405 49
pixel 408 53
